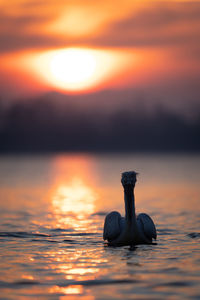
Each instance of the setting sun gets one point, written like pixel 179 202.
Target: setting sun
pixel 72 68
pixel 76 69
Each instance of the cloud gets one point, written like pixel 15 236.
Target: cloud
pixel 133 24
pixel 161 24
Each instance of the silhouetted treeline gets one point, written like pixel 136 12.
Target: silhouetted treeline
pixel 45 126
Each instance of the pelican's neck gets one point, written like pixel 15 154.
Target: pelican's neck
pixel 129 199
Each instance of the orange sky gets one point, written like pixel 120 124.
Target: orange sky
pixel 135 43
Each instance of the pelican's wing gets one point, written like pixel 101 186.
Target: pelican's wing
pixel 112 226
pixel 148 226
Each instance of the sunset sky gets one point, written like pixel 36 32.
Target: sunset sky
pixel 103 54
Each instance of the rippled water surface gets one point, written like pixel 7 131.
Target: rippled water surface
pixel 52 210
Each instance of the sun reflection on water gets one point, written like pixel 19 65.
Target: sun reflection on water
pixel 73 203
pixel 69 290
pixel 53 239
pixel 73 195
pixel 76 198
pixel 72 292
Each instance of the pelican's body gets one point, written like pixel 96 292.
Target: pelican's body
pixel 129 230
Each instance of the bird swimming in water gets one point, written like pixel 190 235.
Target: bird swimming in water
pixel 129 230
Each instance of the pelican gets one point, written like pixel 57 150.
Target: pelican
pixel 129 230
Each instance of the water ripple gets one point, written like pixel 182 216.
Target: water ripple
pixel 21 234
pixel 194 235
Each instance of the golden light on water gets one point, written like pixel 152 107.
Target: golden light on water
pixel 83 271
pixel 68 245
pixel 69 290
pixel 73 195
pixel 76 198
pixel 72 292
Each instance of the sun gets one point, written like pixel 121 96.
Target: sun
pixel 72 68
pixel 75 69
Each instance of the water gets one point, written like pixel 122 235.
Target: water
pixel 52 210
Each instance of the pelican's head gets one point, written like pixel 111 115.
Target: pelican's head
pixel 129 178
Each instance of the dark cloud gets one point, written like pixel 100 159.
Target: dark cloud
pixel 43 125
pixel 18 23
pixel 19 41
pixel 161 15
pixel 14 33
pixel 160 24
pixel 155 24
